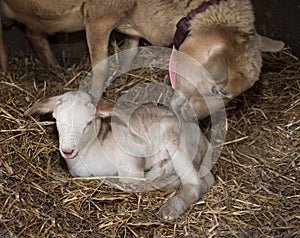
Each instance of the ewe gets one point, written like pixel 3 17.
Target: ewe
pixel 218 34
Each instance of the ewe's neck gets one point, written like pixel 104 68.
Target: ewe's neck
pixel 160 18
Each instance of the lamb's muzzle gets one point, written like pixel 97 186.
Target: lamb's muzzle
pixel 68 153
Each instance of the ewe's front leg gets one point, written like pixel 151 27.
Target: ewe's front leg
pixel 130 50
pixel 97 40
pixel 97 33
pixel 100 18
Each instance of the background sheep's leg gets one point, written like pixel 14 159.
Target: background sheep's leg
pixel 40 44
pixel 3 51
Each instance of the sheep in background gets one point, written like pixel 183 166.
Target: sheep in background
pixel 97 18
pixel 91 146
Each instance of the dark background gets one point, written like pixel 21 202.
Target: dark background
pixel 277 19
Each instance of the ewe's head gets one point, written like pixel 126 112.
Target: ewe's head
pixel 76 120
pixel 232 59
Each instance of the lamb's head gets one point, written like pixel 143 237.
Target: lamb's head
pixel 76 120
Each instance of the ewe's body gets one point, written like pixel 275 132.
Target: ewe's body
pixel 91 148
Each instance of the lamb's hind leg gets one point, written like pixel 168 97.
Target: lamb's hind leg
pixel 169 183
pixel 130 168
pixel 162 175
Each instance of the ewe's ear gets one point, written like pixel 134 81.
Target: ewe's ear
pixel 268 45
pixel 44 106
pixel 104 108
pixel 216 64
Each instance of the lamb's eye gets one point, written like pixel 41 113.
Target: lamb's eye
pixel 87 126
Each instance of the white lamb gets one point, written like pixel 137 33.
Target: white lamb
pixel 91 148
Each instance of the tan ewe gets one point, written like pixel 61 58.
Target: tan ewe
pixel 219 34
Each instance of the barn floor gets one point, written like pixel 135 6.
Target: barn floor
pixel 257 193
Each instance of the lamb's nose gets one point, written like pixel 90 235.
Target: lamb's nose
pixel 68 151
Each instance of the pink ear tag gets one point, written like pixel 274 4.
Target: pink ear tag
pixel 173 67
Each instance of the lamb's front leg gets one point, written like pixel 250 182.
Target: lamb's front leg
pixel 193 183
pixel 185 197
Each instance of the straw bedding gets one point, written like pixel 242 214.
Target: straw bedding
pixel 257 193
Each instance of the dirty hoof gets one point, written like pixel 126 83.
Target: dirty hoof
pixel 55 68
pixel 172 209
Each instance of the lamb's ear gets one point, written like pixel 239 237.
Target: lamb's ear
pixel 216 65
pixel 268 45
pixel 104 108
pixel 43 106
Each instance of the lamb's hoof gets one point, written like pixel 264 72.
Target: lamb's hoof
pixel 172 209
